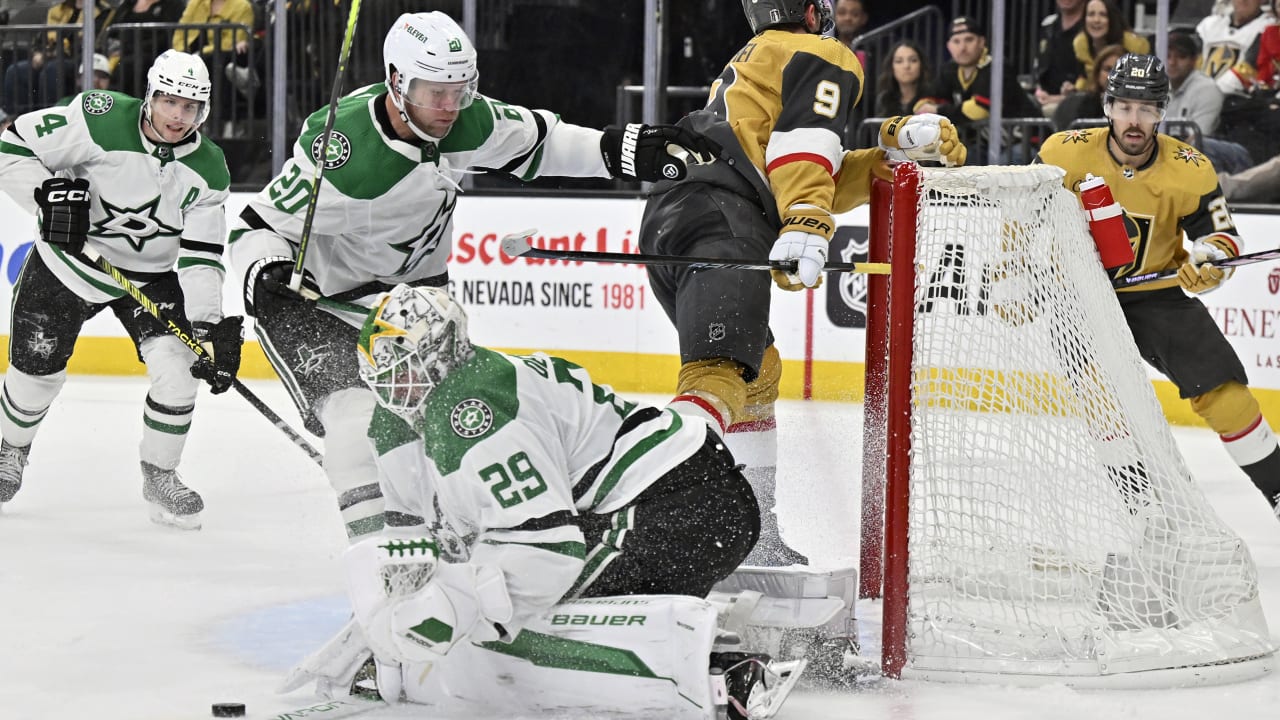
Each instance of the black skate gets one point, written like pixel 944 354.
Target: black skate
pixel 12 460
pixel 172 503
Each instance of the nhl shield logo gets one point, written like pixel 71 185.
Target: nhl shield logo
pixel 471 418
pixel 1273 281
pixel 97 103
pixel 336 154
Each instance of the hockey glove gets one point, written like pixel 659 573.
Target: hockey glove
pixel 654 152
pixel 64 212
pixel 1199 275
pixel 221 344
pixel 806 232
pixel 922 137
pixel 272 274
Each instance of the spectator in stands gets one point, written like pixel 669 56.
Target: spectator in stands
pixel 1057 66
pixel 59 76
pixel 851 21
pixel 964 86
pixel 1268 62
pixel 144 45
pixel 22 86
pixel 905 82
pixel 1192 95
pixel 1104 25
pixel 1231 44
pixel 206 12
pixel 1260 183
pixel 1087 105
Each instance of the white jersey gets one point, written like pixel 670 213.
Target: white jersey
pixel 154 205
pixel 515 446
pixel 385 208
pixel 1230 54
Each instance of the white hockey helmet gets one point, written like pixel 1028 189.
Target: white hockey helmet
pixel 429 62
pixel 183 75
pixel 411 340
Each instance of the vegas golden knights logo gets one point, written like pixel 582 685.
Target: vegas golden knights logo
pixel 1273 281
pixel 1220 58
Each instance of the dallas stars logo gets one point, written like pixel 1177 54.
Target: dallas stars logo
pixel 136 225
pixel 471 418
pixel 1075 136
pixel 1188 155
pixel 427 240
pixel 97 103
pixel 336 153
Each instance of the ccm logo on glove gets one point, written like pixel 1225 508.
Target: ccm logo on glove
pixel 808 223
pixel 55 196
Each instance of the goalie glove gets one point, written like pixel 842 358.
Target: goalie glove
pixel 1198 274
pixel 654 152
pixel 923 137
pixel 806 233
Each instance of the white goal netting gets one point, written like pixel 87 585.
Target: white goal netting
pixel 1054 527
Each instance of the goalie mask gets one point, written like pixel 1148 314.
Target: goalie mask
pixel 430 63
pixel 411 340
pixel 764 14
pixel 181 75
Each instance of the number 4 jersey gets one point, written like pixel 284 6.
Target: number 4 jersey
pixel 154 205
pixel 515 447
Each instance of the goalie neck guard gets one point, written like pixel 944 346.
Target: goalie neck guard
pixel 764 14
pixel 411 340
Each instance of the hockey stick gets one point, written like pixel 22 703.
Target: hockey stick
pixel 181 330
pixel 517 245
pixel 1246 259
pixel 295 282
pixel 329 709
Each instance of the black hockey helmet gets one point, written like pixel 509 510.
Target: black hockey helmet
pixel 1139 77
pixel 764 14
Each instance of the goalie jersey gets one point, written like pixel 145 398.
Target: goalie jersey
pixel 385 209
pixel 510 449
pixel 153 205
pixel 779 110
pixel 1176 192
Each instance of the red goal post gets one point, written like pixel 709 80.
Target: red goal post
pixel 1025 508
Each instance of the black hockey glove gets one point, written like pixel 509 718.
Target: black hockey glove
pixel 654 152
pixel 64 212
pixel 272 274
pixel 222 344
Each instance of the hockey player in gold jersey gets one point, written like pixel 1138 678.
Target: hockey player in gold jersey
pixel 779 109
pixel 1169 191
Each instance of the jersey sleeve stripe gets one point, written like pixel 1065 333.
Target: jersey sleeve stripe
pixel 197 246
pixel 187 262
pixel 9 148
pixel 819 160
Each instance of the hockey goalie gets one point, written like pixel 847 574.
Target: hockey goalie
pixel 548 545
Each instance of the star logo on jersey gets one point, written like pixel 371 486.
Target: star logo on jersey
pixel 427 240
pixel 136 225
pixel 336 153
pixel 98 103
pixel 1075 136
pixel 1188 155
pixel 471 418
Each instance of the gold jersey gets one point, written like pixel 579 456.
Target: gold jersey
pixel 1175 193
pixel 780 109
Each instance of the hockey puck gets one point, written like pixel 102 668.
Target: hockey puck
pixel 228 709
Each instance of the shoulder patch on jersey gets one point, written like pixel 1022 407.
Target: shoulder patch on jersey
pixel 471 418
pixel 98 103
pixel 336 154
pixel 1075 136
pixel 1189 155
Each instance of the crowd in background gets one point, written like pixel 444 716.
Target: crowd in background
pixel 1222 60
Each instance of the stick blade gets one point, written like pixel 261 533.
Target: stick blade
pixel 517 244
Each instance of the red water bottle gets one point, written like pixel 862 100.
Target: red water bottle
pixel 1106 222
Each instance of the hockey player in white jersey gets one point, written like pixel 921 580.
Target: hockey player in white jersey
pixel 384 215
pixel 534 486
pixel 135 181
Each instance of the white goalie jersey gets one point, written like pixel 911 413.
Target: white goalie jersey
pixel 515 447
pixel 154 205
pixel 385 209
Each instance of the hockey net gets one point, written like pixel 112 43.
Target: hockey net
pixel 1039 521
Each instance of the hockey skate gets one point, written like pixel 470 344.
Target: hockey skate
pixel 172 503
pixel 12 460
pixel 754 685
